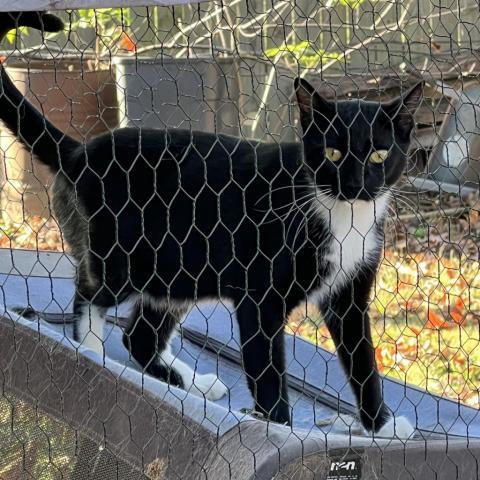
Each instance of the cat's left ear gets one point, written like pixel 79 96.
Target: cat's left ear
pixel 402 110
pixel 310 102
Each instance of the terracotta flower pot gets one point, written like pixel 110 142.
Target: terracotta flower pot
pixel 79 101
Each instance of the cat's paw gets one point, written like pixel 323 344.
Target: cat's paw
pixel 94 343
pixel 342 423
pixel 167 375
pixel 396 427
pixel 208 385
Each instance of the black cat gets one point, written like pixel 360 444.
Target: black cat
pixel 171 217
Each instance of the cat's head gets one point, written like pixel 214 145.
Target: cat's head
pixel 354 149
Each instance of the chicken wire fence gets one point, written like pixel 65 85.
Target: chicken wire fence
pixel 72 409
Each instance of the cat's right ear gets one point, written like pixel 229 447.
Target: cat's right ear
pixel 313 108
pixel 402 109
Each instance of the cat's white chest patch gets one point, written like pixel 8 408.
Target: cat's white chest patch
pixel 353 238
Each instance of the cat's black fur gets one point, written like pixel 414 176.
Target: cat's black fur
pixel 170 217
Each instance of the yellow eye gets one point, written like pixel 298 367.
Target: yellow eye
pixel 379 156
pixel 333 154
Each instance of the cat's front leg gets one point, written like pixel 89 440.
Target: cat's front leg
pixel 346 315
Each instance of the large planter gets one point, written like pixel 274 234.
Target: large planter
pixel 79 101
pixel 455 159
pixel 192 93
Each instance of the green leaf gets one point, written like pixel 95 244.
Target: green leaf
pixel 350 3
pixel 12 34
pixel 305 53
pixel 109 23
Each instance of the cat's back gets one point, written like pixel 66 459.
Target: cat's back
pixel 175 155
pixel 132 165
pixel 164 149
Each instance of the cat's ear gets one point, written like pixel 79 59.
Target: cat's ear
pixel 310 102
pixel 305 96
pixel 413 98
pixel 402 110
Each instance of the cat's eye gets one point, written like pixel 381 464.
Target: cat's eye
pixel 379 156
pixel 333 154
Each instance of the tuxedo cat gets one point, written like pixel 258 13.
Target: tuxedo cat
pixel 170 217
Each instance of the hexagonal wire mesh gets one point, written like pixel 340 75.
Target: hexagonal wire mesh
pixel 251 237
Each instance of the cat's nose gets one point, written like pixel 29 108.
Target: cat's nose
pixel 352 180
pixel 352 186
pixel 348 186
pixel 349 191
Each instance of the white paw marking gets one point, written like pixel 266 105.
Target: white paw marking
pixel 209 385
pixel 90 328
pixel 92 342
pixel 396 427
pixel 343 423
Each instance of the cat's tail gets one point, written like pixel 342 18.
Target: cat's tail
pixel 30 126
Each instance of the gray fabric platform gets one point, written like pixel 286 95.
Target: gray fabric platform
pixel 143 421
pixel 54 295
pixel 311 368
